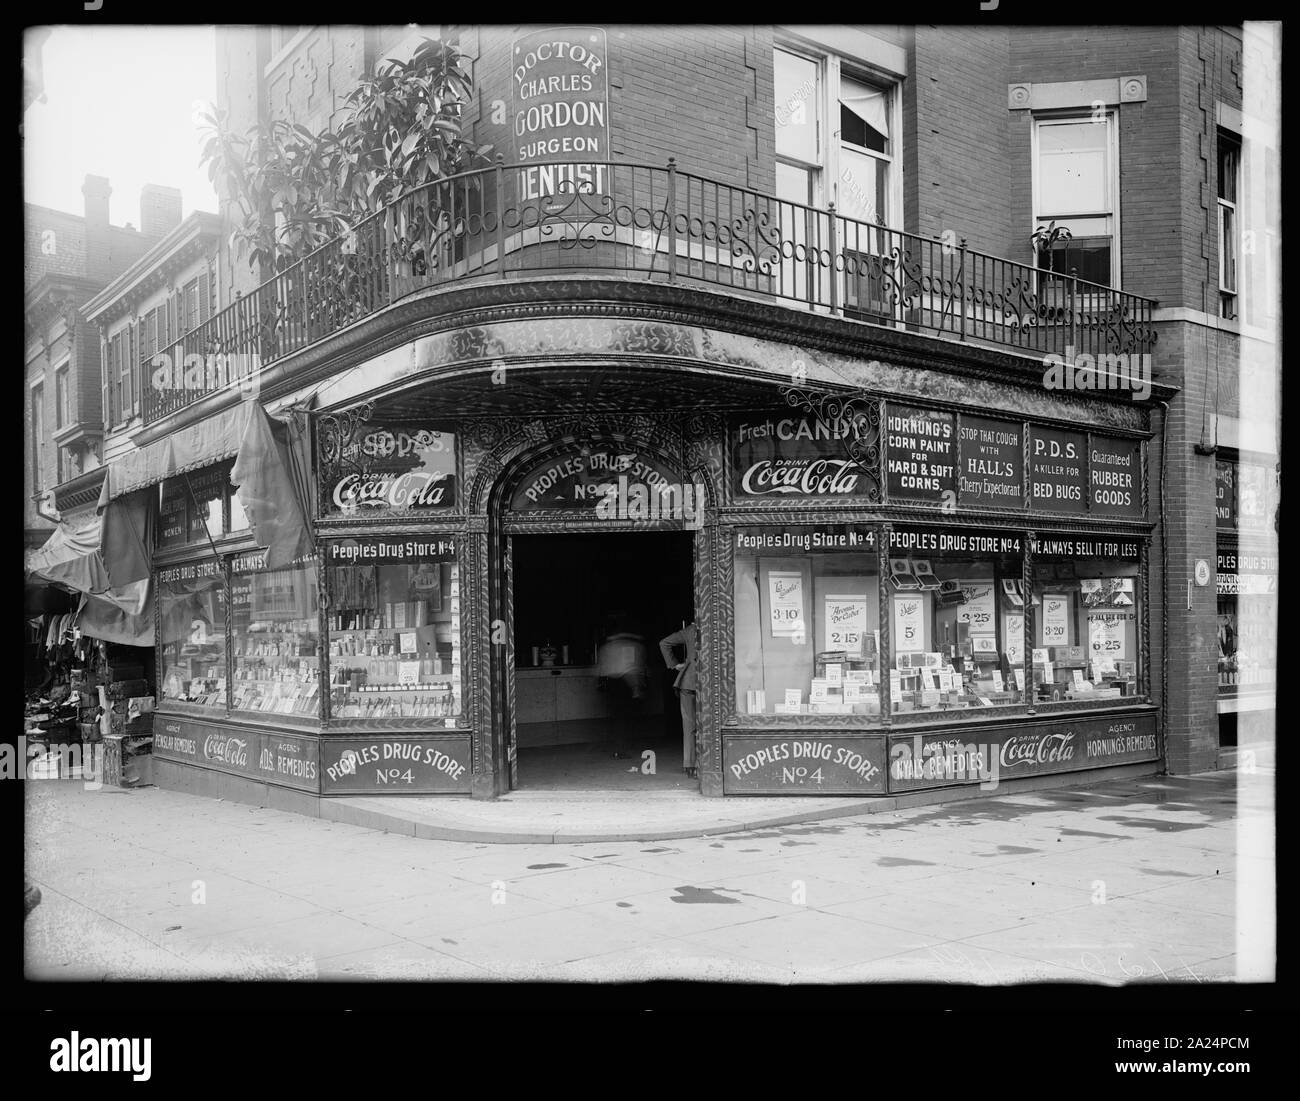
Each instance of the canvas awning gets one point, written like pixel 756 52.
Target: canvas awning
pixel 71 558
pixel 272 479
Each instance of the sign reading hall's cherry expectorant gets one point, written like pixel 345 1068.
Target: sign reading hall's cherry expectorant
pixel 561 114
pixel 780 458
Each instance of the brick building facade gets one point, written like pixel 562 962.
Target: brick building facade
pixel 942 149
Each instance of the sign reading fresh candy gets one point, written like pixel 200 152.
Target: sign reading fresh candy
pixel 781 458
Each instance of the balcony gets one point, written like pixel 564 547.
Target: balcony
pixel 657 224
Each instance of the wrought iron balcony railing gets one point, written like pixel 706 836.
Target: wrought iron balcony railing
pixel 661 224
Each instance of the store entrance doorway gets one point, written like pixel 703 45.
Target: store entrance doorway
pixel 594 705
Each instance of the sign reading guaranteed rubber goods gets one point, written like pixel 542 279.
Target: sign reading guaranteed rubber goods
pixel 931 760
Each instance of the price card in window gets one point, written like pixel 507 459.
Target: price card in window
pixel 1019 674
pixel 785 603
pixel 834 673
pixel 909 623
pixel 1013 635
pixel 406 642
pixel 978 609
pixel 895 684
pixel 793 697
pixel 408 672
pixel 846 622
pixel 1056 619
pixel 1039 656
pixel 1106 632
pixel 997 679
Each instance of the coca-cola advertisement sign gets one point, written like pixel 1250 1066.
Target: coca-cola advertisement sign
pixel 789 457
pixel 227 750
pixel 382 470
pixel 991 757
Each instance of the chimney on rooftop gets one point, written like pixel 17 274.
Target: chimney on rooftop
pixel 160 210
pixel 96 191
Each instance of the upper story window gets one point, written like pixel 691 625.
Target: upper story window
pixel 1229 184
pixel 1075 186
pixel 841 151
pixel 190 306
pixel 38 434
pixel 62 411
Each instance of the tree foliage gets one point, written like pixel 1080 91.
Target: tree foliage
pixel 399 129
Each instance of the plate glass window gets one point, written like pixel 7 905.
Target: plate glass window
pixel 807 632
pixel 394 649
pixel 1084 630
pixel 192 635
pixel 957 631
pixel 275 634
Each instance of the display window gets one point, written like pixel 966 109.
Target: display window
pixel 1084 615
pixel 275 637
pixel 807 636
pixel 394 630
pixel 957 623
pixel 192 634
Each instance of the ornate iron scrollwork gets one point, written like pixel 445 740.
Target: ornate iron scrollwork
pixel 337 430
pixel 862 446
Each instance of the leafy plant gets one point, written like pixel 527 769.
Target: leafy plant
pixel 1044 237
pixel 399 129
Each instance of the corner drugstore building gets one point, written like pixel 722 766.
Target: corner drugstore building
pixel 505 410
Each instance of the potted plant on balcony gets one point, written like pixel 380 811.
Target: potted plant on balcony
pixel 288 191
pixel 1051 291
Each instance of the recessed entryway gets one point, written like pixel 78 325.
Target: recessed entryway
pixel 590 680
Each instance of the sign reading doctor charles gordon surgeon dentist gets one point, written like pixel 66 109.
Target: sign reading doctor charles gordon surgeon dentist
pixel 561 114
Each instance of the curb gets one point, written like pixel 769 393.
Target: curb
pixel 341 810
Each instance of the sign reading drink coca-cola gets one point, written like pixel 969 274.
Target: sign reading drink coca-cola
pixel 274 757
pixel 387 469
pixel 781 458
pixel 984 756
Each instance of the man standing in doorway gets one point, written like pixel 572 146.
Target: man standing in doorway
pixel 685 684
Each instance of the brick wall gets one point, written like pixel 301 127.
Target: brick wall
pixel 53 242
pixel 957 132
pixel 701 94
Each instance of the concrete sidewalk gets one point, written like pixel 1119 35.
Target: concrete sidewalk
pixel 1133 881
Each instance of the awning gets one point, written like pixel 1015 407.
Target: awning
pixel 272 479
pixel 71 558
pixel 122 615
pixel 127 539
pixel 209 441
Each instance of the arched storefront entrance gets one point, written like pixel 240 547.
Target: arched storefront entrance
pixel 598 535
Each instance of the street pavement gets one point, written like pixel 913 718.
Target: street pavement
pixel 1132 881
